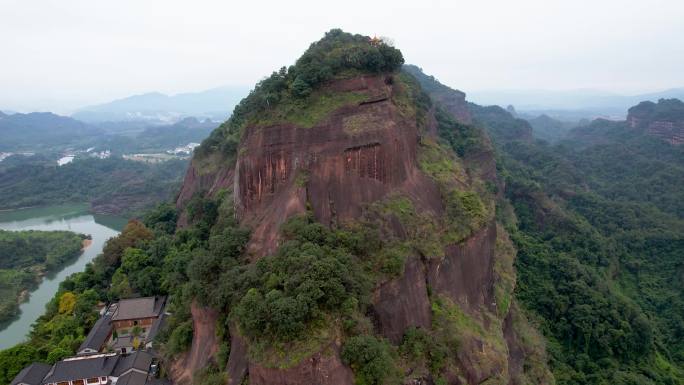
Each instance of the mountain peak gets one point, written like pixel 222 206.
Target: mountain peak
pixel 664 119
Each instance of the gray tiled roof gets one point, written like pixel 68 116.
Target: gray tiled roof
pixel 99 366
pixel 32 374
pixel 98 334
pixel 156 326
pixel 140 360
pixel 137 308
pixel 132 378
pixel 84 367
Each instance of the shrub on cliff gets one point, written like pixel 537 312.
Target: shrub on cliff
pixel 311 274
pixel 371 359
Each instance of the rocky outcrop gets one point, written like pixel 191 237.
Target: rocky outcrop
pixel 671 132
pixel 204 182
pixel 527 359
pixel 355 156
pixel 204 345
pixel 664 119
pixel 323 368
pixel 465 274
pixel 454 101
pixel 238 360
pixel 403 302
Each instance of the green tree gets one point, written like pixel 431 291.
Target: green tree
pixel 371 360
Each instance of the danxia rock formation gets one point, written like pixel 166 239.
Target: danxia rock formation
pixel 368 147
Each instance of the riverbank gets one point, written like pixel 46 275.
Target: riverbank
pixel 26 257
pixel 74 218
pixel 86 243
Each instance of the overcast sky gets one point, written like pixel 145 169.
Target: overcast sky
pixel 61 54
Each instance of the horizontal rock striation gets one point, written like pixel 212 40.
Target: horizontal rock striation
pixel 355 156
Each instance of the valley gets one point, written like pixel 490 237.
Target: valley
pixel 354 221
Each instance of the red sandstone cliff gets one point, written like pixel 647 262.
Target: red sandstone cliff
pixel 359 154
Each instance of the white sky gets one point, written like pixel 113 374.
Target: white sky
pixel 62 54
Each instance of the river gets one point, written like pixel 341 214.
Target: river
pixel 65 217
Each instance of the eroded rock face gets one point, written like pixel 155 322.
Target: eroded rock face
pixel 204 345
pixel 198 182
pixel 455 103
pixel 403 302
pixel 357 155
pixel 516 353
pixel 238 361
pixel 670 131
pixel 465 274
pixel 324 368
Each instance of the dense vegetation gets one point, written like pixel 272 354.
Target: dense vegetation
pixel 501 125
pixel 600 235
pixel 549 129
pixel 25 256
pixel 114 185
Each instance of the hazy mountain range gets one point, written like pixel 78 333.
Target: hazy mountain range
pixel 45 131
pixel 216 104
pixel 576 104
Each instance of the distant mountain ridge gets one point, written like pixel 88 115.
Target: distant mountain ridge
pixel 588 100
pixel 215 103
pixel 41 128
pixel 46 131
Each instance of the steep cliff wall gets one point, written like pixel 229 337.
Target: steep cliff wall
pixel 204 346
pixel 354 156
pixel 348 156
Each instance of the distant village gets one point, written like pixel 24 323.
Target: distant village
pixel 181 152
pixel 118 349
pixel 176 153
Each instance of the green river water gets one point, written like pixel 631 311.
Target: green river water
pixel 64 217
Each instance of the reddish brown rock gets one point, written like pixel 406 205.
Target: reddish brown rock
pixel 238 361
pixel 324 368
pixel 455 103
pixel 356 156
pixel 403 302
pixel 516 354
pixel 198 182
pixel 204 345
pixel 465 274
